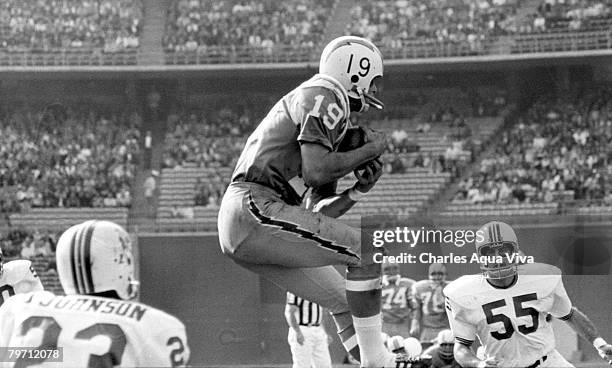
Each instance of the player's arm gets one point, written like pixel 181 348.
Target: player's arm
pixel 321 165
pixel 335 205
pixel 290 311
pixel 417 311
pixel 585 328
pixel 562 308
pixel 465 334
pixel 468 359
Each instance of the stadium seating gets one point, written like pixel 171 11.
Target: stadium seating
pixel 62 218
pixel 552 161
pixel 68 32
pixel 234 31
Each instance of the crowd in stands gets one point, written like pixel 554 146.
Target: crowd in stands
pixel 208 139
pixel 84 159
pixel 46 25
pixel 197 24
pixel 572 15
pixel 561 146
pixel 393 24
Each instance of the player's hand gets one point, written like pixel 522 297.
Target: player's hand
pixel 377 139
pixel 369 177
pixel 490 362
pixel 415 330
pixel 605 352
pixel 299 336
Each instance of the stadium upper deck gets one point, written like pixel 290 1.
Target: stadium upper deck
pixel 179 32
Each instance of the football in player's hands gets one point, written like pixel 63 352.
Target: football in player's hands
pixel 354 138
pixel 490 362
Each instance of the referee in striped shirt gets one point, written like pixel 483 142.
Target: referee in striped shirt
pixel 307 337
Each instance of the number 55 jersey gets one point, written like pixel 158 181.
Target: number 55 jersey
pixel 509 322
pixel 92 331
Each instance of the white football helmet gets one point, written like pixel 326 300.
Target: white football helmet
pixel 499 239
pixel 354 62
pixel 391 273
pixel 446 340
pixel 395 344
pixel 94 257
pixel 412 347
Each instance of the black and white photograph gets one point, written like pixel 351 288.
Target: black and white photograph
pixel 306 183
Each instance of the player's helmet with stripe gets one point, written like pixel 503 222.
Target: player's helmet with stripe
pixel 391 272
pixel 354 62
pixel 437 272
pixel 498 240
pixel 95 257
pixel 446 341
pixel 412 347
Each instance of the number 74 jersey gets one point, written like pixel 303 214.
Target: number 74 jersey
pixel 510 322
pixel 92 332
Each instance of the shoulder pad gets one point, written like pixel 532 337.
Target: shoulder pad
pixel 327 87
pixel 541 269
pixel 160 319
pixel 34 295
pixel 422 284
pixel 404 281
pixel 456 290
pixel 546 277
pixel 17 270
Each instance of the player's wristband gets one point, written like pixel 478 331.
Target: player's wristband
pixel 355 195
pixel 599 342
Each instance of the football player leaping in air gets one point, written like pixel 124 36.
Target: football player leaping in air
pixel 506 308
pixel 261 224
pixel 96 323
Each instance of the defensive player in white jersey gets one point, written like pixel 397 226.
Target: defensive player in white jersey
pixel 17 277
pixel 262 226
pixel 506 308
pixel 95 324
pixel 427 300
pixel 396 310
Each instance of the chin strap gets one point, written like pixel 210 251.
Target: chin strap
pixel 365 100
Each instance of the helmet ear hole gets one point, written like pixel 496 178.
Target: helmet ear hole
pixel 354 79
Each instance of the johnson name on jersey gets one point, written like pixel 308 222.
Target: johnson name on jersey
pixel 317 111
pixel 509 322
pixel 18 277
pixel 93 331
pixel 395 301
pixel 428 296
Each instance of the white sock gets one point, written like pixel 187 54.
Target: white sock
pixel 369 338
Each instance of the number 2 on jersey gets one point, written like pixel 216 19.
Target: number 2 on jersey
pixel 519 311
pixel 333 111
pixel 51 331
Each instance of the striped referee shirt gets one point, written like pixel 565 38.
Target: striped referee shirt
pixel 309 313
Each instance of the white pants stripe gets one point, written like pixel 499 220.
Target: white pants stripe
pixel 314 353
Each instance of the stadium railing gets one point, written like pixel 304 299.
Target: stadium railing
pixel 413 49
pixel 242 54
pixel 67 57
